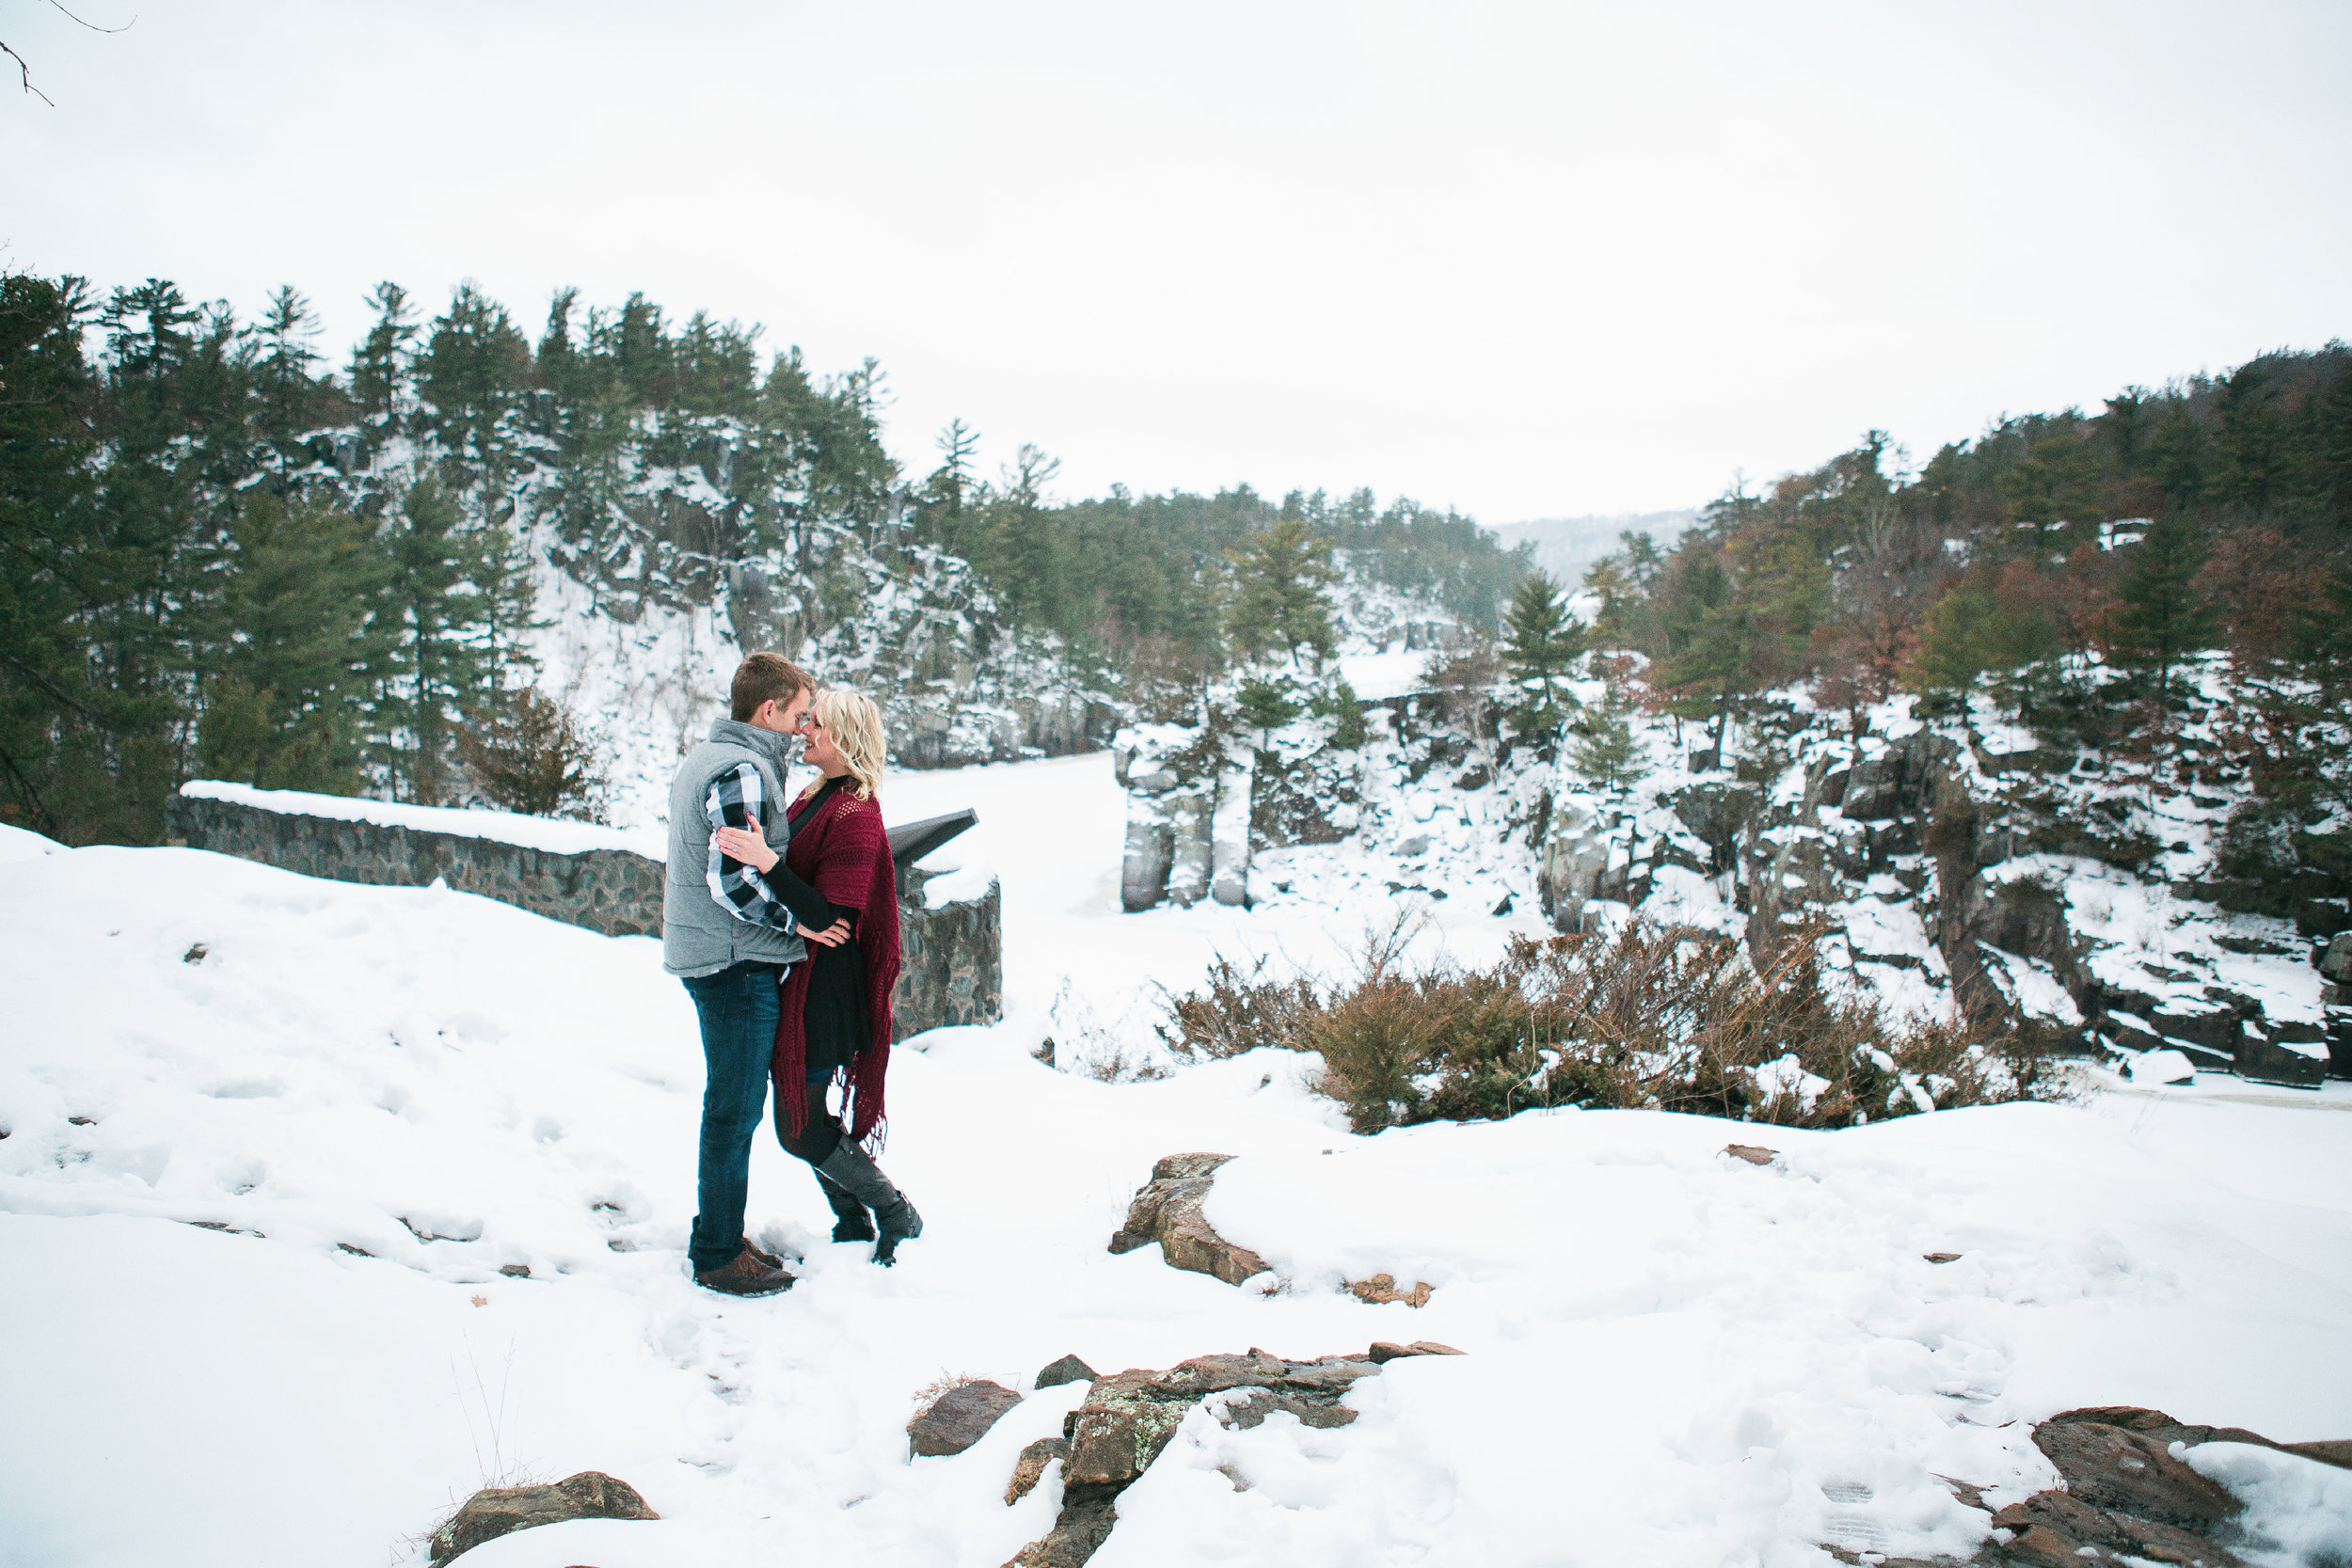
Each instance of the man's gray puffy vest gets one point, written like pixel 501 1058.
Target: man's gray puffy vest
pixel 698 935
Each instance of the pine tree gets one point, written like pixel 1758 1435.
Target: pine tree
pixel 2257 458
pixel 1971 630
pixel 380 365
pixel 286 707
pixel 2060 482
pixel 2180 455
pixel 1603 748
pixel 441 666
pixel 1711 642
pixel 473 372
pixel 1540 641
pixel 83 750
pixel 2161 620
pixel 282 377
pixel 1264 706
pixel 1281 573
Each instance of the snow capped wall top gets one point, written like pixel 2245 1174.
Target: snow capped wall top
pixel 22 844
pixel 505 827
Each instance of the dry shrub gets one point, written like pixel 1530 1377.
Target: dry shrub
pixel 1235 1012
pixel 1666 1018
pixel 529 754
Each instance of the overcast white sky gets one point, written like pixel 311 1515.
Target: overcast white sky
pixel 1525 259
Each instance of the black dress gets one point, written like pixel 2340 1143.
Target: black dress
pixel 833 1020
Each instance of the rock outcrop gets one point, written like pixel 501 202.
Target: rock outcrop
pixel 1129 1418
pixel 1166 1210
pixel 2126 1497
pixel 1202 805
pixel 1994 877
pixel 497 1511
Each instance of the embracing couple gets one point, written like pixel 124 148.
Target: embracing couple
pixel 783 921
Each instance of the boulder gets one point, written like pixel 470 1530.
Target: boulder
pixel 959 1418
pixel 1385 1351
pixel 2117 1469
pixel 1068 1369
pixel 2335 959
pixel 1166 1210
pixel 497 1511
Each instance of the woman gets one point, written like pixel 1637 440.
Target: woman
pixel 834 1023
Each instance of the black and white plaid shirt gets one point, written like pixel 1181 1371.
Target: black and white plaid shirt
pixel 735 801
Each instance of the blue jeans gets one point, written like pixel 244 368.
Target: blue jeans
pixel 737 1009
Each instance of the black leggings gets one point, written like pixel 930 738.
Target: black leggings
pixel 819 1135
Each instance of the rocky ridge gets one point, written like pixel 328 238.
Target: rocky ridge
pixel 1953 861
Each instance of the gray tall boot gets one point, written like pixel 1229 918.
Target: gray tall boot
pixel 853 1170
pixel 851 1221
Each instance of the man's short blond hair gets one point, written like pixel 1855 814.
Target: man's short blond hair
pixel 855 725
pixel 762 678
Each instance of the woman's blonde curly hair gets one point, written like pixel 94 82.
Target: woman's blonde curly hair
pixel 856 727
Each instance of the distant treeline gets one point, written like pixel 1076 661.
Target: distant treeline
pixel 227 556
pixel 2073 567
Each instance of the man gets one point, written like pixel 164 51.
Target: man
pixel 727 932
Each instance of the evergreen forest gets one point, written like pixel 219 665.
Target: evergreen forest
pixel 233 556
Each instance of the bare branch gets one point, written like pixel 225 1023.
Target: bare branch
pixel 28 71
pixel 94 26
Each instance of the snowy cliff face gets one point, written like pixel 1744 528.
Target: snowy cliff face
pixel 919 635
pixel 1952 864
pixel 650 596
pixel 1956 863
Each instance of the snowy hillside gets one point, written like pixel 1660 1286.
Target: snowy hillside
pixel 323 1205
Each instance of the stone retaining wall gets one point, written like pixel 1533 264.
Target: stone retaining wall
pixel 610 890
pixel 952 959
pixel 954 955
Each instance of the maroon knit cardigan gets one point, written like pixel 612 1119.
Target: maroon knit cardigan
pixel 840 848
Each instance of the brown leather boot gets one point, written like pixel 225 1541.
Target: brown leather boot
pixel 762 1254
pixel 744 1276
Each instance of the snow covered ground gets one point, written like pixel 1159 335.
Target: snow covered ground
pixel 270 1142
